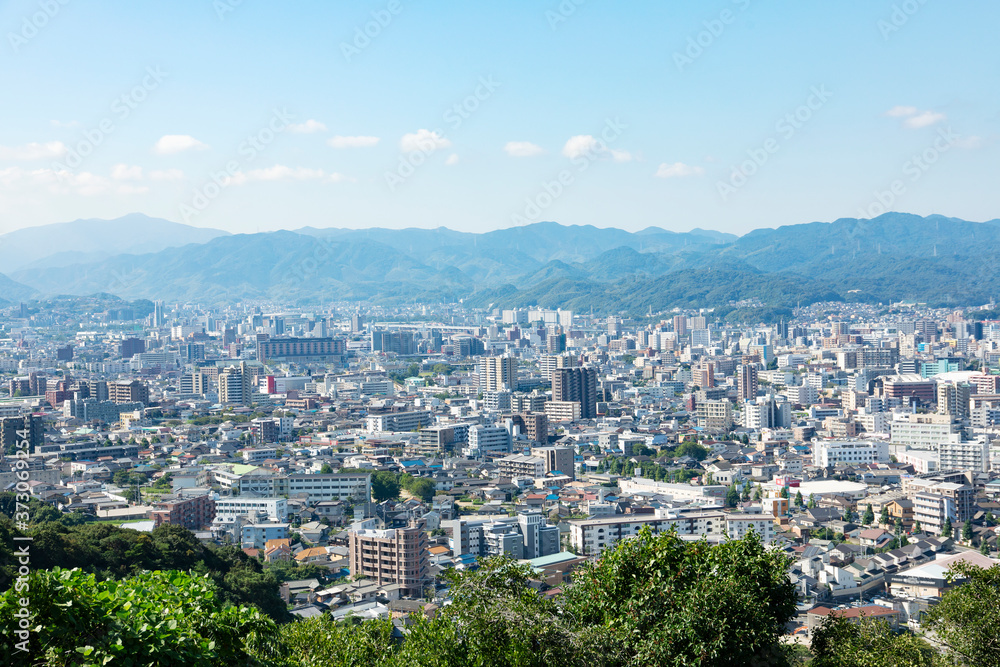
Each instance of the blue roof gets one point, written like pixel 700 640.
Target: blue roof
pixel 552 496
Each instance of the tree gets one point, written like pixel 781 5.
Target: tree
pixel 917 528
pixel 984 549
pixel 784 492
pixel 848 515
pixel 946 528
pixel 655 599
pixel 385 486
pixel 812 502
pixel 154 618
pixel 732 496
pixel 693 449
pixel 838 642
pixel 326 469
pixel 883 518
pixel 757 493
pixel 966 619
pixel 967 531
pixel 869 517
pixel 799 500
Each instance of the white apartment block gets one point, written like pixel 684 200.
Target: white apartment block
pixel 739 526
pixel 922 431
pixel 964 456
pixel 489 440
pixel 678 492
pixel 398 421
pixel 923 460
pixel 227 509
pixel 828 453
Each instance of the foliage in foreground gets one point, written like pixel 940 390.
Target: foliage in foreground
pixel 156 618
pixel 838 642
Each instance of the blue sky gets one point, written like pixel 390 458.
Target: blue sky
pixel 728 115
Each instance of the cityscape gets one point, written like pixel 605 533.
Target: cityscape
pixel 562 335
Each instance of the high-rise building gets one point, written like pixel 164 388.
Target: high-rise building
pixel 557 459
pixel 128 392
pixel 131 347
pixel 555 343
pixel 498 373
pixel 746 382
pixel 14 431
pixel 392 556
pixel 235 385
pixel 680 325
pixel 953 399
pixel 576 385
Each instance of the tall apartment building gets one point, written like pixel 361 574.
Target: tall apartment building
pixel 236 385
pixel 577 385
pixel 704 374
pixel 489 440
pixel 498 373
pixel 953 399
pixel 923 431
pixel 557 459
pixel 192 513
pixel 131 347
pixel 193 383
pixel 534 425
pixel 715 415
pixel 399 421
pixel 746 382
pixel 392 556
pixel 680 326
pixel 400 342
pixel 16 430
pixel 973 456
pixel 519 465
pixel 128 392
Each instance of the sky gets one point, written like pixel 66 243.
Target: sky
pixel 730 115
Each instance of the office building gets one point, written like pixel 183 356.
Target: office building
pixel 828 453
pixel 578 385
pixel 559 460
pixel 497 374
pixel 128 392
pixel 746 382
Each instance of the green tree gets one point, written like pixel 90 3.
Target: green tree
pixel 869 517
pixel 812 502
pixel 883 518
pixel 385 485
pixel 966 619
pixel 967 531
pixel 322 641
pixel 732 496
pixel 757 493
pixel 799 500
pixel 984 548
pixel 656 600
pixel 838 642
pixel 693 449
pixel 946 528
pixel 326 469
pixel 154 618
pixel 917 528
pixel 784 492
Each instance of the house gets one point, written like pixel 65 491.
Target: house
pixel 817 615
pixel 874 537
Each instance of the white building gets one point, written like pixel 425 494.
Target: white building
pixel 965 456
pixel 228 509
pixel 827 453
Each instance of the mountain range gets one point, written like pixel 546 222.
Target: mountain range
pixel 897 256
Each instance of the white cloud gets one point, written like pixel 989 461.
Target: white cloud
pixel 678 170
pixel 580 145
pixel 352 142
pixel 169 144
pixel 166 175
pixel 33 151
pixel 307 127
pixel 901 111
pixel 923 119
pixel 124 172
pixel 63 182
pixel 621 156
pixel 423 140
pixel 280 172
pixel 522 149
pixel 970 142
pixel 452 159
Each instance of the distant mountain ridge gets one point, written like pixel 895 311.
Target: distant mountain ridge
pixel 91 240
pixel 893 257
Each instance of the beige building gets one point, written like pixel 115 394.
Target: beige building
pixel 392 556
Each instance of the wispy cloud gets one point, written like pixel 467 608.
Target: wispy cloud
pixel 522 149
pixel 915 119
pixel 307 127
pixel 340 141
pixel 678 170
pixel 33 151
pixel 170 144
pixel 423 140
